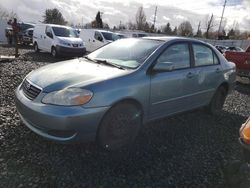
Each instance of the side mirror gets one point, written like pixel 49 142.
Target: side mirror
pixel 163 67
pixel 100 38
pixel 49 34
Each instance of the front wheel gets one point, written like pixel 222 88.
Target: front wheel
pixel 54 52
pixel 119 127
pixel 217 102
pixel 36 48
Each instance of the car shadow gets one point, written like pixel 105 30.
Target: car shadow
pixel 176 149
pixel 243 88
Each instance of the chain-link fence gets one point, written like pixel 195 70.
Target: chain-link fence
pixel 236 43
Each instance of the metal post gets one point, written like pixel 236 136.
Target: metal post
pixel 155 16
pixel 222 17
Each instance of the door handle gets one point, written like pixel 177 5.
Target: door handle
pixel 190 75
pixel 218 70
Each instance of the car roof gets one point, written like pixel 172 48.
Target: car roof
pixel 168 38
pixel 55 25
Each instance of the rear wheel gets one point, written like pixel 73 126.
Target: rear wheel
pixel 217 102
pixel 36 48
pixel 119 127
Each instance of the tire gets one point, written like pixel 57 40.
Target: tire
pixel 54 52
pixel 217 102
pixel 119 127
pixel 36 48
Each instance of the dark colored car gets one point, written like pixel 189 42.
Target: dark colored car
pixel 27 36
pixel 221 49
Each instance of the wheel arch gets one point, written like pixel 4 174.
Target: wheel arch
pixel 225 85
pixel 132 101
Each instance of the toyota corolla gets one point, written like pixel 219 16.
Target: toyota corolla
pixel 108 95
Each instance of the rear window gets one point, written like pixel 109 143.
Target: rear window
pixel 203 55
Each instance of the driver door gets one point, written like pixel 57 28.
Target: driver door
pixel 170 89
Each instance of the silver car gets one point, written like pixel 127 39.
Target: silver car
pixel 107 95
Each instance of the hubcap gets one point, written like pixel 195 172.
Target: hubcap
pixel 53 52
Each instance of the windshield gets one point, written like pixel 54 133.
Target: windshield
pixel 64 32
pixel 128 53
pixel 110 36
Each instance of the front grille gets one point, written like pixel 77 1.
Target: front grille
pixel 29 90
pixel 75 45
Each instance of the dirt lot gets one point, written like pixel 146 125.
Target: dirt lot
pixel 193 149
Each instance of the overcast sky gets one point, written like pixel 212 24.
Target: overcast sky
pixel 114 11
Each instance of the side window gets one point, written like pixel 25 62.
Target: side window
pixel 178 54
pixel 98 36
pixel 48 32
pixel 203 55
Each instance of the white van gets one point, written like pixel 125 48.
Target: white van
pixel 58 40
pixel 95 39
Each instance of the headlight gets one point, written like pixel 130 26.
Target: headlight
pixel 64 43
pixel 68 97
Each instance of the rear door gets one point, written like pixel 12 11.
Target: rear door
pixel 208 70
pixel 48 38
pixel 171 91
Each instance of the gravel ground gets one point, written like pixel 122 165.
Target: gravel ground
pixel 194 149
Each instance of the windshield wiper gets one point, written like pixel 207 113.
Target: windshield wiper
pixel 86 57
pixel 108 63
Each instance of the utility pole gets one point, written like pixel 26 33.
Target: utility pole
pixel 225 3
pixel 199 27
pixel 155 16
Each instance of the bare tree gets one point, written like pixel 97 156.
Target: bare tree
pixel 185 29
pixel 140 19
pixel 209 25
pixel 131 25
pixel 167 29
pixel 6 15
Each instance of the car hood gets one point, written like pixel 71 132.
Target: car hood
pixel 72 73
pixel 70 39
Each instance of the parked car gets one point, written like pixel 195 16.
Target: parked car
pixel 28 36
pixel 221 49
pixel 94 38
pixel 107 95
pixel 58 40
pixel 121 36
pixel 233 48
pixel 242 61
pixel 23 27
pixel 245 139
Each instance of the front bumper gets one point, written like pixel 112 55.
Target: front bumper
pixel 59 123
pixel 70 51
